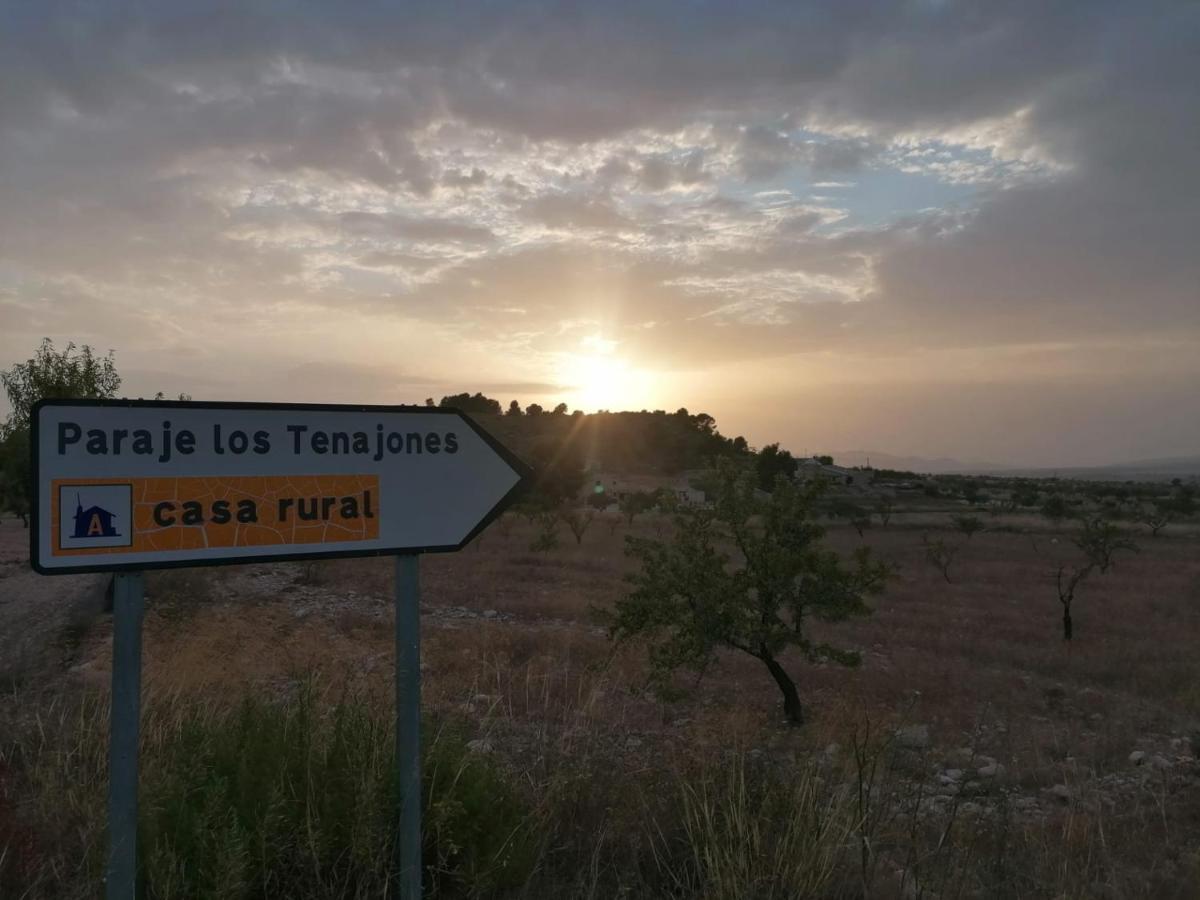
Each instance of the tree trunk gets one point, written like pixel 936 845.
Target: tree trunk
pixel 1067 629
pixel 791 699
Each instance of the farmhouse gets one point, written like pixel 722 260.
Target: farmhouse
pixel 614 487
pixel 811 468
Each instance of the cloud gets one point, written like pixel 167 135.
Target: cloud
pixel 508 177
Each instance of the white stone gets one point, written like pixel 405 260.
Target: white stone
pixel 1137 757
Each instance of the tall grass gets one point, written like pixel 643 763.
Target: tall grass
pixel 286 798
pixel 759 838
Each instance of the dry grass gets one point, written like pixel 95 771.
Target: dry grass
pixel 624 778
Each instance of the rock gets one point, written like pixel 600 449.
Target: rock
pixel 1060 792
pixel 992 770
pixel 480 745
pixel 632 743
pixel 1159 762
pixel 950 776
pixel 489 614
pixel 1137 757
pixel 970 808
pixel 913 737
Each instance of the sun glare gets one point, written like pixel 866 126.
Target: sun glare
pixel 599 379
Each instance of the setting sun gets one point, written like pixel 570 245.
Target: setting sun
pixel 599 379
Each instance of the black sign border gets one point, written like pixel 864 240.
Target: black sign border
pixel 523 471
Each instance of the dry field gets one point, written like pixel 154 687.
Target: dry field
pixel 997 760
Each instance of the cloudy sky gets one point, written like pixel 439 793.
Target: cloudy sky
pixel 939 228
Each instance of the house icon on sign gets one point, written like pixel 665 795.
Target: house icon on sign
pixel 93 522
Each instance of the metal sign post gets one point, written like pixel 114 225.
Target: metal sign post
pixel 408 723
pixel 123 739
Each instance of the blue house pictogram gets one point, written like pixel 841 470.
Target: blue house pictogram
pixel 93 522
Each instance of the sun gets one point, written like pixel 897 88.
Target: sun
pixel 597 378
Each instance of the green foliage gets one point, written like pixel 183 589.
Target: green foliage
pixel 73 373
pixel 634 503
pixel 771 463
pixel 473 404
pixel 690 596
pixel 287 799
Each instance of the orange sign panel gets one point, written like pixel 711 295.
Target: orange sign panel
pixel 123 515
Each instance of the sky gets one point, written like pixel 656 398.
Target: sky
pixel 926 227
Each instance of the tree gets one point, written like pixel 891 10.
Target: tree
pixel 1055 508
pixel 15 476
pixel 558 473
pixel 773 463
pixel 884 508
pixel 514 409
pixel 578 521
pixel 73 373
pixel 546 538
pixel 967 525
pixel 1100 541
pixel 1067 579
pixel 689 597
pixel 534 409
pixel 940 555
pixel 1156 518
pixel 634 503
pixel 560 410
pixel 473 404
pixel 859 518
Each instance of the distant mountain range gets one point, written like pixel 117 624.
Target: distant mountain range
pixel 1162 469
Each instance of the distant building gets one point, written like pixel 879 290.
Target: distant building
pixel 810 468
pixel 614 487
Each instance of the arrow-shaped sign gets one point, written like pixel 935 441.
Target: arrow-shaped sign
pixel 149 484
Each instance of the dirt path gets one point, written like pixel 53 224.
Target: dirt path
pixel 40 616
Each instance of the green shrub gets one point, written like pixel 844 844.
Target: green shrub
pixel 263 798
pixel 289 799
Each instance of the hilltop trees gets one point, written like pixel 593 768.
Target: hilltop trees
pixel 691 596
pixel 72 373
pixel 472 404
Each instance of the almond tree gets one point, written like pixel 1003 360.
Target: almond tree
pixel 748 573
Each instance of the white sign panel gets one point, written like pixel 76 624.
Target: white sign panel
pixel 136 484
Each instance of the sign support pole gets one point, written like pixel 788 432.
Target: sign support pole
pixel 123 736
pixel 408 723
